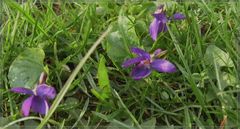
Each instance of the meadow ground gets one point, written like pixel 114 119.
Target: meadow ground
pixel 81 46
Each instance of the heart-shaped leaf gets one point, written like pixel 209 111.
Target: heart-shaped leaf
pixel 115 47
pixel 229 79
pixel 26 68
pixel 126 28
pixel 213 53
pixel 118 42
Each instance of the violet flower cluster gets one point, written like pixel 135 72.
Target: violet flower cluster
pixel 145 63
pixel 38 100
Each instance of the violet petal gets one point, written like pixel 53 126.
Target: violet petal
pixel 162 27
pixel 132 61
pixel 162 65
pixel 22 90
pixel 178 16
pixel 26 106
pixel 40 105
pixel 140 52
pixel 161 17
pixel 46 91
pixel 140 71
pixel 156 27
pixel 153 29
pixel 157 52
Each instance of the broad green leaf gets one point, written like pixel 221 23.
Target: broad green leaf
pixel 126 28
pixel 103 80
pixel 150 124
pixel 116 49
pixel 103 91
pixel 229 79
pixel 119 42
pixel 100 94
pixel 136 9
pixel 26 68
pixel 220 83
pixel 141 27
pixel 213 53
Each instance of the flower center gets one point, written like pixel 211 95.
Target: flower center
pixel 159 10
pixel 35 91
pixel 146 62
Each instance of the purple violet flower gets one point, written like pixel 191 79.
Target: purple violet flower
pixel 38 99
pixel 145 63
pixel 159 23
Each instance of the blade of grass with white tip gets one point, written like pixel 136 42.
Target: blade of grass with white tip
pixel 71 78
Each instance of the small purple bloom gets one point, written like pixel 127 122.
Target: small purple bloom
pixel 37 102
pixel 145 63
pixel 178 16
pixel 159 23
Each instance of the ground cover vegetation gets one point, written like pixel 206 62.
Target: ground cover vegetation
pixel 120 64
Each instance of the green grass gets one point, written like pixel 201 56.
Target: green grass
pixel 202 93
